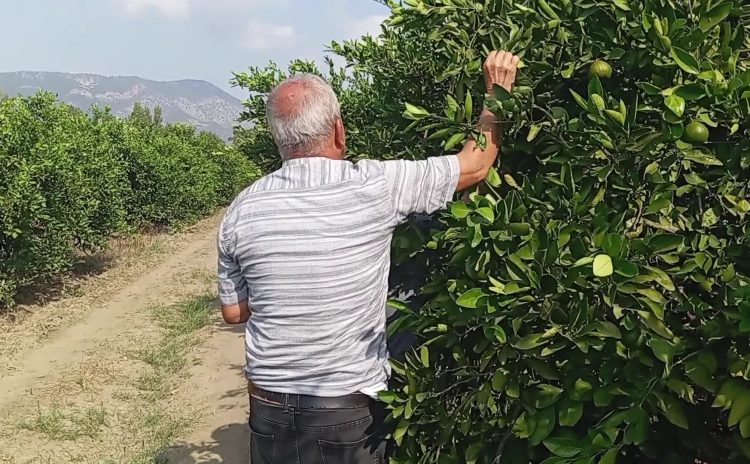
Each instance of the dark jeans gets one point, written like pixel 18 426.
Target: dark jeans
pixel 285 435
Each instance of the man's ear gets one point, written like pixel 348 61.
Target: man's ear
pixel 340 136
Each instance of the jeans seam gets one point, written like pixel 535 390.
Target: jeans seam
pixel 296 435
pixel 331 428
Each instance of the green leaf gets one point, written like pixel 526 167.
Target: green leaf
pixel 676 104
pixel 740 408
pixel 685 60
pixel 580 389
pixel 470 298
pixel 403 426
pixel 663 350
pixel 602 266
pixel 409 409
pixel 610 457
pixel 603 329
pixel 499 380
pixel 595 87
pixel 612 244
pixel 387 397
pixel 637 430
pixel 497 333
pixel 745 427
pixel 533 131
pixel 424 356
pixel 501 93
pixel 530 342
pixel 524 426
pixel 570 413
pixel 441 133
pixel 702 156
pixel 477 237
pixel 487 213
pixel 691 92
pixel 652 295
pixel 519 228
pixel 672 408
pixel 459 209
pixel 468 107
pixel 415 112
pixel 714 16
pixel 649 88
pixel 546 396
pixel 626 268
pixel 621 4
pixel 398 305
pixel 617 116
pixel 653 323
pixel 454 140
pixel 580 100
pixel 510 181
pixel 493 178
pixel 545 423
pixel 565 447
pixel 665 242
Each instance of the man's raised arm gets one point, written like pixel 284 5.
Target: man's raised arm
pixel 499 69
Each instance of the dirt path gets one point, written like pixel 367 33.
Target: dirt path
pixel 219 384
pixel 104 384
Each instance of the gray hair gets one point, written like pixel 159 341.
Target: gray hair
pixel 308 125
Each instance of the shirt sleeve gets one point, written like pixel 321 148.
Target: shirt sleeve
pixel 422 186
pixel 232 285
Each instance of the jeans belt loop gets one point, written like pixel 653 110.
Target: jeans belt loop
pixel 296 407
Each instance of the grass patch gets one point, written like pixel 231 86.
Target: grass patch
pixel 163 429
pixel 59 424
pixel 167 359
pixel 169 356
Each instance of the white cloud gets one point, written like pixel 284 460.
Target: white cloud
pixel 262 36
pixel 369 25
pixel 171 8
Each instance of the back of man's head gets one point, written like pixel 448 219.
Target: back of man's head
pixel 302 112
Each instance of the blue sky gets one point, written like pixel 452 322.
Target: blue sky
pixel 174 39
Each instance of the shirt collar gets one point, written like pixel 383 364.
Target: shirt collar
pixel 308 159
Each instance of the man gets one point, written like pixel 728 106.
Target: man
pixel 304 255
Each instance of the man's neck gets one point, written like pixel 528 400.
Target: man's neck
pixel 317 154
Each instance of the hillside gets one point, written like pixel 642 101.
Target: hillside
pixel 196 102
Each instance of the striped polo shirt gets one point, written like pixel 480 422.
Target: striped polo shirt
pixel 309 247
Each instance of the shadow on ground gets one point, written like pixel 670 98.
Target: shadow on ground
pixel 229 444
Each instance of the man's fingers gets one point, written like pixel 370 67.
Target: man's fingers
pixel 502 57
pixel 488 63
pixel 500 68
pixel 510 79
pixel 507 57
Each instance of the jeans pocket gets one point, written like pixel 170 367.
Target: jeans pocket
pixel 363 451
pixel 262 448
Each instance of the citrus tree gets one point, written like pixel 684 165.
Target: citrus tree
pixel 590 303
pixel 70 180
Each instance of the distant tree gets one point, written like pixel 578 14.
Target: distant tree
pixel 3 95
pixel 141 116
pixel 158 120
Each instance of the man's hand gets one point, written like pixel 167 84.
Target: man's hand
pixel 499 69
pixel 236 313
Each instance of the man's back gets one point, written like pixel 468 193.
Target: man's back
pixel 308 246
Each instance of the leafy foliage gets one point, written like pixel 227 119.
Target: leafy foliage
pixel 591 302
pixel 68 181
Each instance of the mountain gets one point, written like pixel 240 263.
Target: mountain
pixel 196 102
